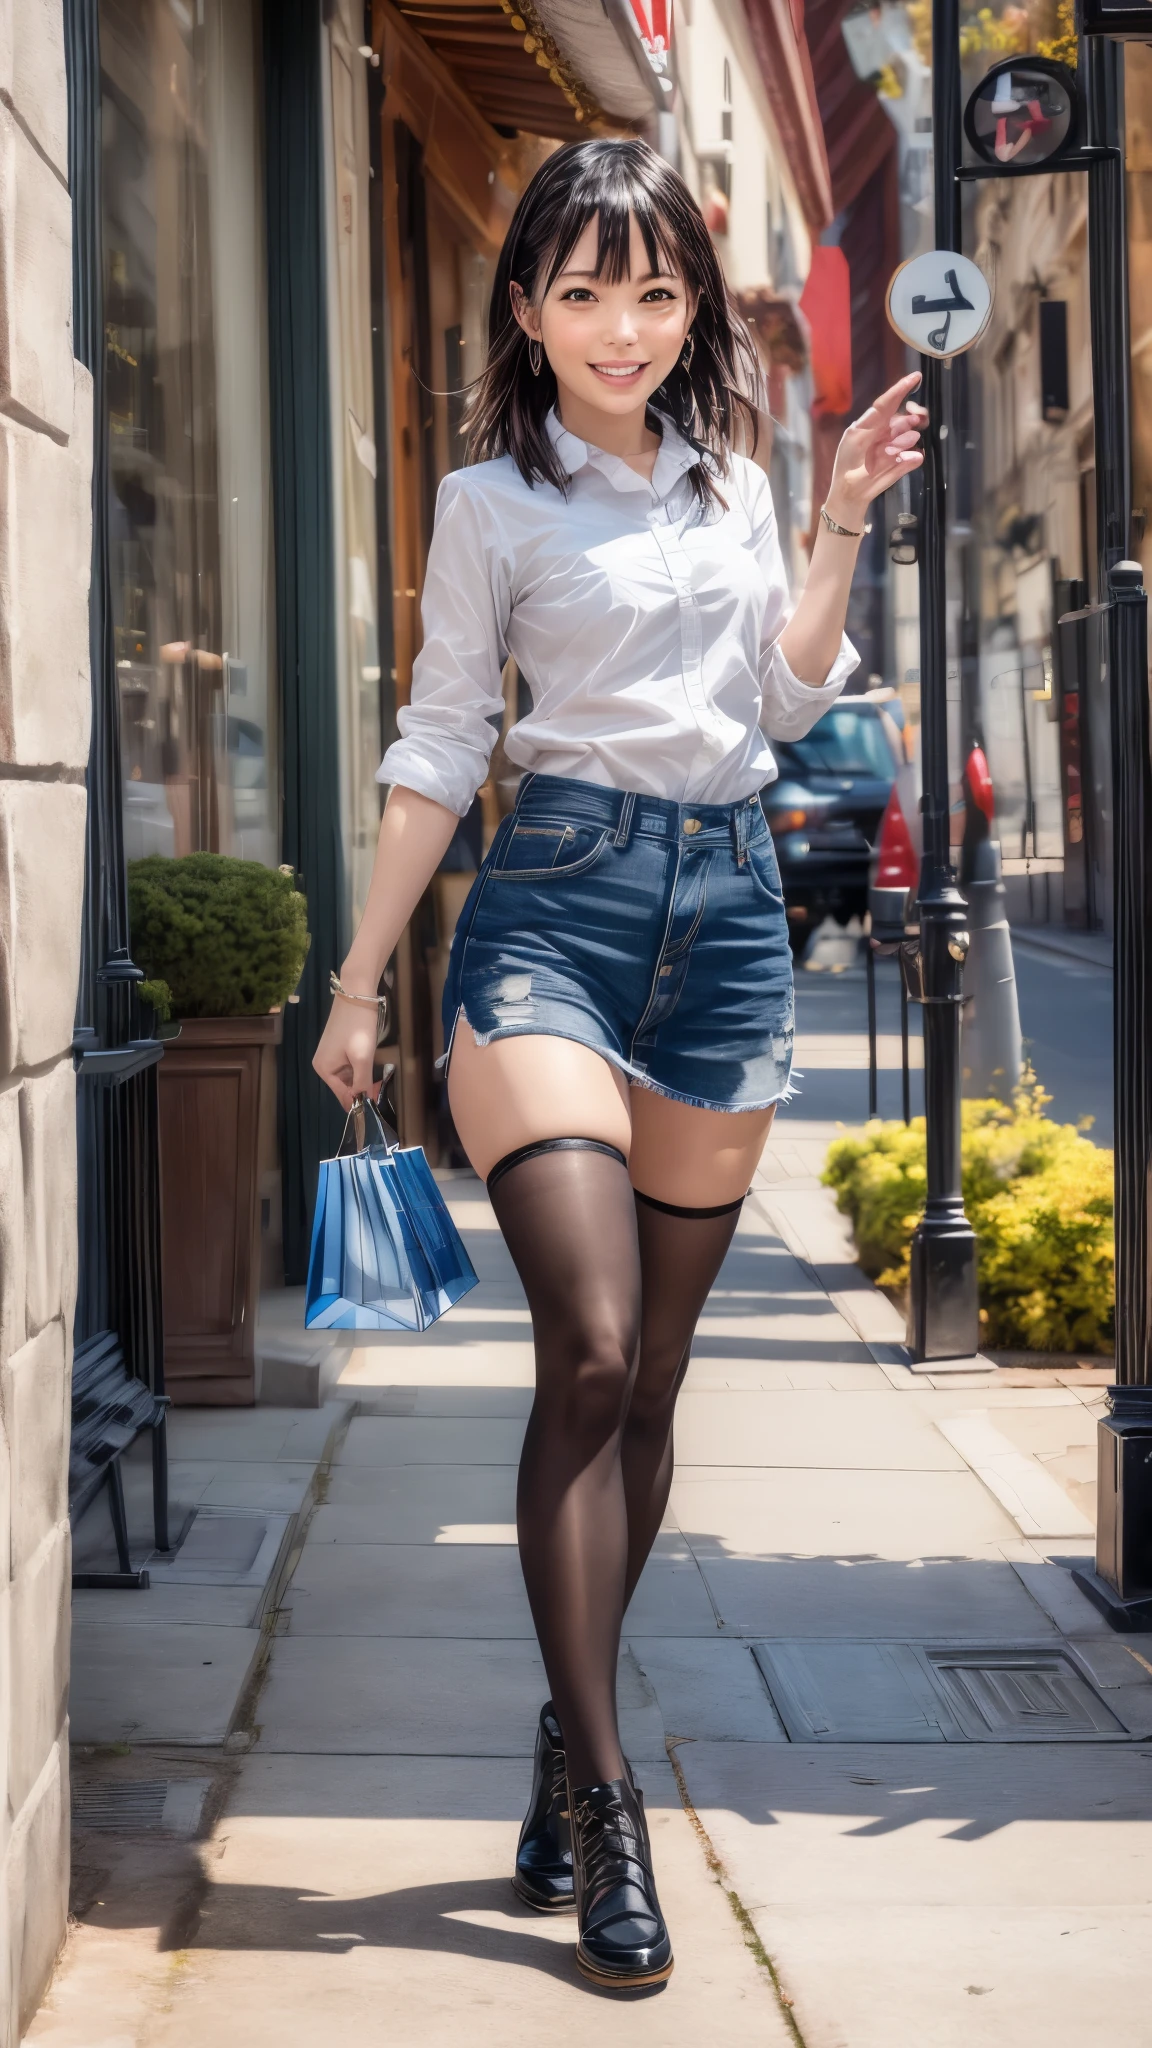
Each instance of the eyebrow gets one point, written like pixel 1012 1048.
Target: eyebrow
pixel 650 277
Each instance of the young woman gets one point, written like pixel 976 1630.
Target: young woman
pixel 618 1007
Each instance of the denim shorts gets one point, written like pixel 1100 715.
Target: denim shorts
pixel 652 932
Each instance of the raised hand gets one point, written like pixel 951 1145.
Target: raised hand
pixel 876 450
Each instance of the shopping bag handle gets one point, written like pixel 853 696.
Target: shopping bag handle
pixel 366 1123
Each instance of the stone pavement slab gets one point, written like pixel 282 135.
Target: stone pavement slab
pixel 282 1488
pixel 840 1430
pixel 222 1606
pixel 855 1374
pixel 360 1696
pixel 942 1896
pixel 709 1690
pixel 956 1599
pixel 416 1503
pixel 811 1513
pixel 170 1662
pixel 467 1590
pixel 172 1682
pixel 368 1901
pixel 379 1441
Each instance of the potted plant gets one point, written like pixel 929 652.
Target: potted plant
pixel 222 943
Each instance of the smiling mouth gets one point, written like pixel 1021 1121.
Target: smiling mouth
pixel 618 373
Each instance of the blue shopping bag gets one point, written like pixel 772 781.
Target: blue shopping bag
pixel 385 1254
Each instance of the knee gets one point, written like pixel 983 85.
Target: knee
pixel 652 1400
pixel 650 1413
pixel 594 1389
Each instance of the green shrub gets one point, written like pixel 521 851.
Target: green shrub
pixel 229 937
pixel 156 995
pixel 1039 1197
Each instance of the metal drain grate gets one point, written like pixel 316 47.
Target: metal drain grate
pixel 1021 1696
pixel 916 1692
pixel 164 1806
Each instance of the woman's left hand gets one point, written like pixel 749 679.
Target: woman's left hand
pixel 877 449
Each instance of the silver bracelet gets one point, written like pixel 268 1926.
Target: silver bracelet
pixel 380 1001
pixel 844 532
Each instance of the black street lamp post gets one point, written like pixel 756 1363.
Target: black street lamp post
pixel 1121 1584
pixel 943 1309
pixel 944 1314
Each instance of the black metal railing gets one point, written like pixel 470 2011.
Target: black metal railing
pixel 115 1049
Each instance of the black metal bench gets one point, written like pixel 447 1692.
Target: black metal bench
pixel 110 1409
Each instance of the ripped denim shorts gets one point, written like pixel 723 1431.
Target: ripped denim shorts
pixel 653 932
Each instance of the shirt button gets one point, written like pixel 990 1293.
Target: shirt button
pixel 692 824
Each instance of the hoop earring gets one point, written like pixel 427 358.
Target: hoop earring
pixel 687 353
pixel 535 357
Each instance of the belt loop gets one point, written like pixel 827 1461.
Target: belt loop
pixel 625 824
pixel 525 785
pixel 741 822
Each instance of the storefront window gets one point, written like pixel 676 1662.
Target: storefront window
pixel 353 445
pixel 189 522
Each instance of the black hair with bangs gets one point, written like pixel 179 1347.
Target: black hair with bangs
pixel 613 182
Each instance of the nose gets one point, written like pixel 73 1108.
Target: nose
pixel 620 328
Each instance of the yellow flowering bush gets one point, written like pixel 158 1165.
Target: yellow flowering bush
pixel 1046 26
pixel 1038 1195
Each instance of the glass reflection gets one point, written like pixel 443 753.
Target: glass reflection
pixel 183 298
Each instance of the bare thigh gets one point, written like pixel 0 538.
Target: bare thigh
pixel 516 1091
pixel 696 1158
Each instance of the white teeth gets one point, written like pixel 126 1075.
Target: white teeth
pixel 610 370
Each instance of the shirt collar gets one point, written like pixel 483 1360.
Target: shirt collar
pixel 674 457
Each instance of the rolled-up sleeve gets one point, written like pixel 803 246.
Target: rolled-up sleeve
pixel 446 731
pixel 788 707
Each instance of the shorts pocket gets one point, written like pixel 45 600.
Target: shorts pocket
pixel 765 867
pixel 548 851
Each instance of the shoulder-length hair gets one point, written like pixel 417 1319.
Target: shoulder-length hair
pixel 613 182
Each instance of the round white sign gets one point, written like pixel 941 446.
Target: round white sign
pixel 939 303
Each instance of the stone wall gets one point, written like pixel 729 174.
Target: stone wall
pixel 45 538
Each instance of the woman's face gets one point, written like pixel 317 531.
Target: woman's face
pixel 610 345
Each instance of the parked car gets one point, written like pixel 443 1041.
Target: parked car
pixel 824 811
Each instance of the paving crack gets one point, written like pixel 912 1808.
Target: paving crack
pixel 740 1911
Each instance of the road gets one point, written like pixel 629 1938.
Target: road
pixel 1065 1015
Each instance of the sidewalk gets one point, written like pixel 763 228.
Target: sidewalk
pixel 856 1839
pixel 1064 942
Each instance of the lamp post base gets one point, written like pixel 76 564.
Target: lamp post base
pixel 1121 1584
pixel 943 1315
pixel 1127 1617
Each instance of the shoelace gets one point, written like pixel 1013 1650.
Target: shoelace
pixel 558 1794
pixel 609 1845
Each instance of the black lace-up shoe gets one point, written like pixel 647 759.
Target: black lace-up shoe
pixel 543 1874
pixel 623 1940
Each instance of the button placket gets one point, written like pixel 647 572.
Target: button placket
pixel 678 563
pixel 679 569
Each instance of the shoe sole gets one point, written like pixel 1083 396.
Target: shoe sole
pixel 527 1898
pixel 608 1982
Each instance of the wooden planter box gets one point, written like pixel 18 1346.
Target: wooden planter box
pixel 211 1082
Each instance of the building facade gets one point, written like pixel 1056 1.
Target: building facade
pixel 45 529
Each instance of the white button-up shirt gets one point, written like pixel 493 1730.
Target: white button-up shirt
pixel 648 633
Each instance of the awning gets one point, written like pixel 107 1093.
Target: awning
pixel 562 68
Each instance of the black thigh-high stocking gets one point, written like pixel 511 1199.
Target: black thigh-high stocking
pixel 568 1217
pixel 681 1252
